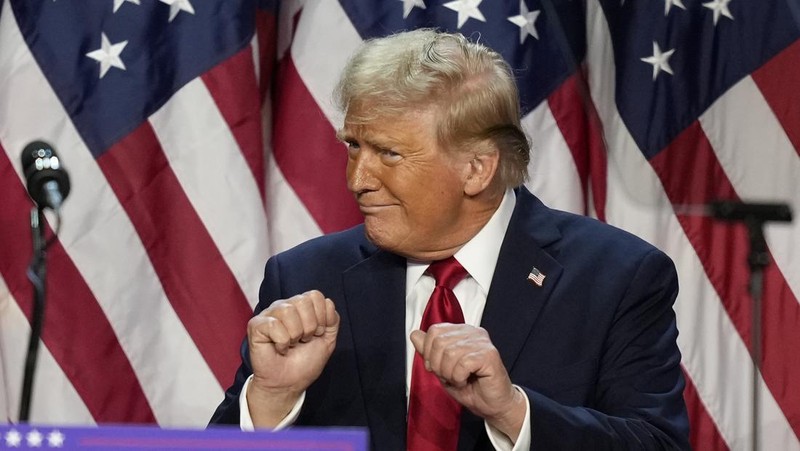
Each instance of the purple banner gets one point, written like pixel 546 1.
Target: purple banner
pixel 151 437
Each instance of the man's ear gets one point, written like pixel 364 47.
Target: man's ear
pixel 481 170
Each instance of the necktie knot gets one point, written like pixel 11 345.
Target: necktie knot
pixel 447 272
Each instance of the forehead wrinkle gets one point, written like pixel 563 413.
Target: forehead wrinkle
pixel 367 133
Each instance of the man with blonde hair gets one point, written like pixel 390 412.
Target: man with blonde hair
pixel 463 313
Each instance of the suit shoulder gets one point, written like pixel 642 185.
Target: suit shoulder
pixel 344 248
pixel 591 234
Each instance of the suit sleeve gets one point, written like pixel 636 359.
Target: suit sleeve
pixel 228 411
pixel 638 398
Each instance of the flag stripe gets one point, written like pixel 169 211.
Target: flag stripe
pixel 551 158
pixel 291 222
pixel 778 82
pixel 323 41
pixel 758 159
pixel 306 150
pixel 577 120
pixel 237 96
pixel 70 307
pixel 150 193
pixel 703 433
pixel 50 382
pixel 219 186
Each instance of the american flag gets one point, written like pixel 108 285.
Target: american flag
pixel 201 157
pixel 536 277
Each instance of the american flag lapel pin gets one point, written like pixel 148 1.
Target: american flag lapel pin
pixel 536 277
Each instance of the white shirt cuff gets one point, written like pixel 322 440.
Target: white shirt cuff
pixel 246 421
pixel 501 442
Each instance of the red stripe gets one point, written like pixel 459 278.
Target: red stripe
pixel 692 175
pixel 780 85
pixel 577 119
pixel 75 329
pixel 200 286
pixel 703 432
pixel 310 157
pixel 234 88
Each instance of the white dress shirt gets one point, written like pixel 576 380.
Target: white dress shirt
pixel 479 257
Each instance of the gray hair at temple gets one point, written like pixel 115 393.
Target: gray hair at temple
pixel 471 85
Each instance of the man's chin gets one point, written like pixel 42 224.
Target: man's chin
pixel 379 237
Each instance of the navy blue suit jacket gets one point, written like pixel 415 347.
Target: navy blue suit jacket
pixel 594 347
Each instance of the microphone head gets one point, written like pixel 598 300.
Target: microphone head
pixel 41 165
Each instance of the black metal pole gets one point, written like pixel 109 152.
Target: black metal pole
pixel 37 272
pixel 754 216
pixel 758 259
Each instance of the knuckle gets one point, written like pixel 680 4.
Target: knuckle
pixel 451 353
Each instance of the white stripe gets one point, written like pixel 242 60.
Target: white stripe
pixel 286 26
pixel 213 173
pixel 713 354
pixel 324 41
pixel 254 53
pixel 290 221
pixel 321 42
pixel 50 383
pixel 761 163
pixel 101 241
pixel 552 166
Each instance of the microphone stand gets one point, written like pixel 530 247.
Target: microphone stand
pixel 754 216
pixel 37 272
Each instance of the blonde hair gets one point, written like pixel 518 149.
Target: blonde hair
pixel 470 84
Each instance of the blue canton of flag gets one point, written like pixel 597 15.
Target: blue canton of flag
pixel 117 64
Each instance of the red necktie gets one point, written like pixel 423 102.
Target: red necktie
pixel 433 415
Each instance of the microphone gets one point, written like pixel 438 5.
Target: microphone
pixel 47 181
pixel 729 210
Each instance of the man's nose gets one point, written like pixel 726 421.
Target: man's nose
pixel 361 172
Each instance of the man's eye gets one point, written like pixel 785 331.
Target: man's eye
pixel 389 156
pixel 352 148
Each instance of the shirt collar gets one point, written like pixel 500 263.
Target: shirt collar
pixel 479 255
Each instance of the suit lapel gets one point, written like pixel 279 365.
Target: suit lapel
pixel 375 295
pixel 514 302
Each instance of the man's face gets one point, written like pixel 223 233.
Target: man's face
pixel 410 191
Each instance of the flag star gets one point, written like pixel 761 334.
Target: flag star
pixel 466 9
pixel 118 3
pixel 659 60
pixel 408 5
pixel 34 438
pixel 55 439
pixel 13 438
pixel 669 3
pixel 176 6
pixel 720 7
pixel 526 21
pixel 108 54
